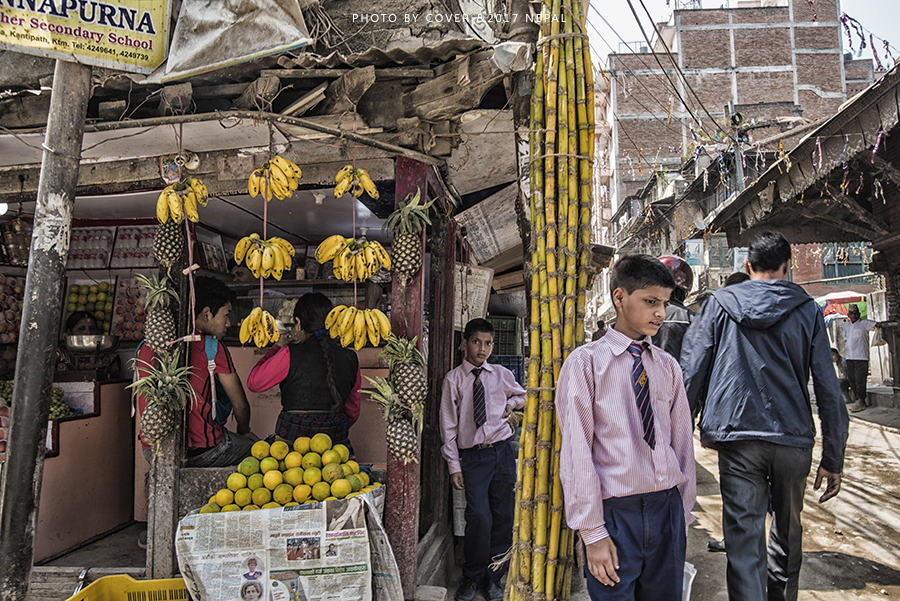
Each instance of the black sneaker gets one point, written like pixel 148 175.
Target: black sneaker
pixel 466 590
pixel 494 591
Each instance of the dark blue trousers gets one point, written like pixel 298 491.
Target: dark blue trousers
pixel 489 476
pixel 649 534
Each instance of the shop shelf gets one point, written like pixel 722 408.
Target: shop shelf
pixel 126 588
pixel 507 334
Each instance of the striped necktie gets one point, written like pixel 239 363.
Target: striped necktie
pixel 642 392
pixel 478 409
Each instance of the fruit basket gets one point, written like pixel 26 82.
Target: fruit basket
pixel 125 588
pixel 129 311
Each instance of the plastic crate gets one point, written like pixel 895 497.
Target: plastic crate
pixel 514 363
pixel 126 588
pixel 507 334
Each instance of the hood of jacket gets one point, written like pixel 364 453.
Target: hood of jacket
pixel 760 304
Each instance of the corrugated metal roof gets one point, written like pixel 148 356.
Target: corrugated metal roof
pixel 410 51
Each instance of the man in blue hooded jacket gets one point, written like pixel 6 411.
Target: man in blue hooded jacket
pixel 747 358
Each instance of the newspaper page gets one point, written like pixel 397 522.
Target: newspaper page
pixel 312 552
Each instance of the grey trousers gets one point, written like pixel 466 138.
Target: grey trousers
pixel 752 476
pixel 858 374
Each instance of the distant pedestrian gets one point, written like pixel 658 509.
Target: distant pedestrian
pixel 600 331
pixel 840 367
pixel 736 278
pixel 678 317
pixel 856 347
pixel 627 458
pixel 747 359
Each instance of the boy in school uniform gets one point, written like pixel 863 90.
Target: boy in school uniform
pixel 627 463
pixel 476 400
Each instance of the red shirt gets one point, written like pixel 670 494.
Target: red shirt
pixel 203 431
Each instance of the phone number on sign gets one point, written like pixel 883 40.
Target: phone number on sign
pixel 134 55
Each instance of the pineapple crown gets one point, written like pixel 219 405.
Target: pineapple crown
pixel 166 383
pixel 392 408
pixel 411 217
pixel 158 292
pixel 400 350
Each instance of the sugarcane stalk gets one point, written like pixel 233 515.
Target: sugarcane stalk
pixel 569 313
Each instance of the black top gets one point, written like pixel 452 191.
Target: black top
pixel 306 386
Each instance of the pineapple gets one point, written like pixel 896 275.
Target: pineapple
pixel 159 329
pixel 402 441
pixel 167 389
pixel 407 375
pixel 168 243
pixel 407 223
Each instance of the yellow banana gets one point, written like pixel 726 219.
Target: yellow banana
pixel 162 207
pixel 333 316
pixel 329 247
pixel 199 189
pixel 277 262
pixel 347 320
pixel 175 209
pixel 190 205
pixel 341 188
pixel 338 266
pixel 278 174
pixel 372 328
pixel 245 330
pixel 253 184
pixel 254 236
pixel 347 337
pixel 279 191
pixel 360 342
pixel 334 332
pixel 254 259
pixel 268 258
pixel 259 337
pixel 287 246
pixel 344 172
pixel 289 167
pixel 384 324
pixel 367 183
pixel 381 255
pixel 265 186
pixel 356 189
pixel 271 327
pixel 343 263
pixel 362 271
pixel 359 327
pixel 240 250
pixel 371 261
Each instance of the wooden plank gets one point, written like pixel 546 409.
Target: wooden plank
pixel 343 94
pixel 863 215
pixel 459 90
pixel 259 94
pixel 223 91
pixel 508 280
pixel 867 234
pixel 387 73
pixel 307 102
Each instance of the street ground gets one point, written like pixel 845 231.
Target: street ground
pixel 851 542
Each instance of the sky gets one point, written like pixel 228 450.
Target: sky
pixel 880 17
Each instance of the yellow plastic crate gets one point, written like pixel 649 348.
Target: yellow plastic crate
pixel 126 588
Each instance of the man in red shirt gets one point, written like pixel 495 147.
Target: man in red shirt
pixel 209 444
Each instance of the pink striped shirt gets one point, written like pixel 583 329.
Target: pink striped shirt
pixel 603 451
pixel 458 429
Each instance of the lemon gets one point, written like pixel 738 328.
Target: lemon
pixel 260 449
pixel 353 466
pixel 355 482
pixel 249 466
pixel 302 492
pixel 343 451
pixel 250 507
pixel 341 488
pixel 291 503
pixel 231 507
pixel 210 508
pixel 224 497
pixel 301 445
pixel 279 450
pixel 332 472
pixel 312 475
pixel 293 459
pixel 364 478
pixel 320 443
pixel 294 476
pixel 283 493
pixel 281 466
pixel 212 499
pixel 268 464
pixel 273 479
pixel 347 469
pixel 311 460
pixel 243 497
pixel 255 481
pixel 321 490
pixel 261 496
pixel 331 456
pixel 237 481
pixel 271 505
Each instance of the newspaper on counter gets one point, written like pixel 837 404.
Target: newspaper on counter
pixel 313 552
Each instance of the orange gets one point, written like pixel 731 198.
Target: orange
pixel 364 478
pixel 261 496
pixel 242 497
pixel 353 466
pixel 302 492
pixel 341 488
pixel 273 479
pixel 312 475
pixel 331 456
pixel 224 497
pixel 271 505
pixel 294 476
pixel 343 450
pixel 210 508
pixel 321 490
pixel 250 507
pixel 237 481
pixel 347 469
pixel 320 443
pixel 231 507
pixel 268 464
pixel 255 481
pixel 281 465
pixel 283 493
pixel 260 449
pixel 332 472
pixel 293 459
pixel 279 449
pixel 311 460
pixel 301 445
pixel 355 482
pixel 249 466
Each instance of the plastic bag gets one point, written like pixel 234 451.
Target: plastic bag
pixel 877 338
pixel 689 573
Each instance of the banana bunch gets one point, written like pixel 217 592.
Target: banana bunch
pixel 278 177
pixel 180 200
pixel 355 327
pixel 261 327
pixel 356 181
pixel 353 258
pixel 264 257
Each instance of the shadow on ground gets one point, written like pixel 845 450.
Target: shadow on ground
pixel 830 571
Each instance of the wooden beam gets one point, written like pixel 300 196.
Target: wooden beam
pixel 388 73
pixel 889 170
pixel 854 207
pixel 461 89
pixel 867 234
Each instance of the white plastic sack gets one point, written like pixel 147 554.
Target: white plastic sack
pixel 689 573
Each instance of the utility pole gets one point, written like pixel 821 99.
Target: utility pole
pixel 20 489
pixel 736 120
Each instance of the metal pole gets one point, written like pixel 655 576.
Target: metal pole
pixel 738 158
pixel 20 491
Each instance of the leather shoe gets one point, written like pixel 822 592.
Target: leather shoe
pixel 494 591
pixel 466 590
pixel 715 545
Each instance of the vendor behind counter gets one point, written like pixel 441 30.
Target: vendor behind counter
pixel 106 364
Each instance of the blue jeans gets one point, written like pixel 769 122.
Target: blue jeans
pixel 231 450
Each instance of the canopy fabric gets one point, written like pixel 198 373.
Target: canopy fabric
pixel 842 297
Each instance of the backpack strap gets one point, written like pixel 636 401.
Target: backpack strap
pixel 212 347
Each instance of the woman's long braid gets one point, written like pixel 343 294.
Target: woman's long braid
pixel 336 401
pixel 312 309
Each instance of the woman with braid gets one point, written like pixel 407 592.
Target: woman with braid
pixel 319 379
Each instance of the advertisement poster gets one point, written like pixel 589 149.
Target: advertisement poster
pixel 128 35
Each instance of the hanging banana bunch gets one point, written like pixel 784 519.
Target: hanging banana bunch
pixel 278 177
pixel 355 327
pixel 265 258
pixel 353 259
pixel 180 200
pixel 261 327
pixel 356 181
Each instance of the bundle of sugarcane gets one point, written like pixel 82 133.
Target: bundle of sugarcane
pixel 561 147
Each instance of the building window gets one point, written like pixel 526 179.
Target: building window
pixel 844 261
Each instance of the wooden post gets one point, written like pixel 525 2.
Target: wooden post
pixel 401 517
pixel 20 491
